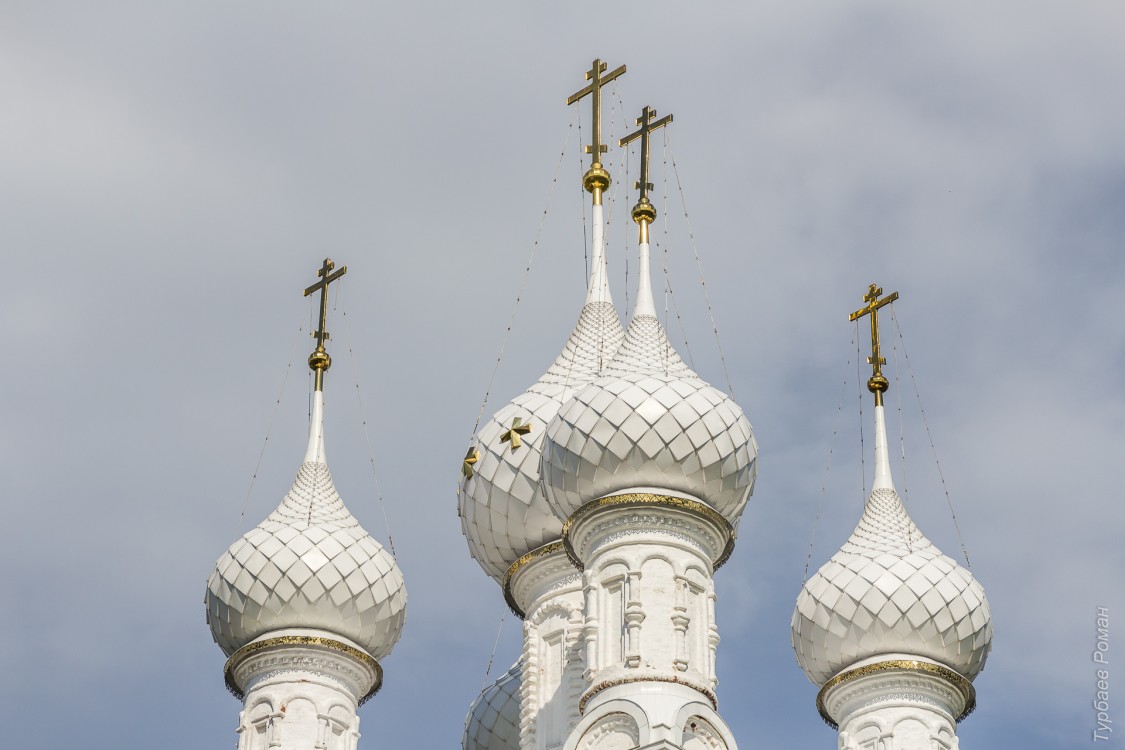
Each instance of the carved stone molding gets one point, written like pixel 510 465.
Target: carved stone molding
pixel 354 670
pixel 609 519
pixel 896 681
pixel 543 570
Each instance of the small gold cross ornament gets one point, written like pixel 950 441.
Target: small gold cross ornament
pixel 471 458
pixel 512 435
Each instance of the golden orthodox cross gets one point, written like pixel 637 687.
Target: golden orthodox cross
pixel 644 211
pixel 512 434
pixel 877 384
pixel 596 179
pixel 319 360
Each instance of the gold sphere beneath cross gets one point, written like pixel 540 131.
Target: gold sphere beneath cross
pixel 644 211
pixel 319 359
pixel 877 384
pixel 596 178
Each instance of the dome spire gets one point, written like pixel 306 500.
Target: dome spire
pixel 878 385
pixel 319 361
pixel 644 213
pixel 596 180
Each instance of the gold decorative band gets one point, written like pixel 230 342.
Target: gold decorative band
pixel 547 549
pixel 651 499
pixel 654 678
pixel 301 640
pixel 963 686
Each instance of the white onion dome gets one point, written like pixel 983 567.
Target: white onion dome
pixel 649 422
pixel 889 590
pixel 503 512
pixel 308 565
pixel 493 722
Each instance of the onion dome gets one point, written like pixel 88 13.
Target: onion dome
pixel 889 590
pixel 493 722
pixel 503 512
pixel 649 422
pixel 308 565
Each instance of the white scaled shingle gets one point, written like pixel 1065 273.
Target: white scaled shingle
pixel 493 722
pixel 503 513
pixel 308 565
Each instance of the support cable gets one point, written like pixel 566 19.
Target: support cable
pixel 523 284
pixel 862 398
pixel 933 448
pixel 273 418
pixel 492 656
pixel 699 265
pixel 827 467
pixel 366 433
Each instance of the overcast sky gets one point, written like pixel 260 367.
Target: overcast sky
pixel 171 176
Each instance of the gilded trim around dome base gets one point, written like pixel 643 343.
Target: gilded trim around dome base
pixel 539 552
pixel 957 680
pixel 651 499
pixel 239 656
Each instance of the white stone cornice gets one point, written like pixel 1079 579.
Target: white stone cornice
pixel 321 656
pixel 896 682
pixel 542 571
pixel 681 522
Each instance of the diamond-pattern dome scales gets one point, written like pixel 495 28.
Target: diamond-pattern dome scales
pixel 309 564
pixel 890 590
pixel 503 513
pixel 493 721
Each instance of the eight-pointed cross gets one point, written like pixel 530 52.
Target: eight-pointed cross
pixel 877 383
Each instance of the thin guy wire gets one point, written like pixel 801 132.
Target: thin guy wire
pixel 273 418
pixel 929 435
pixel 366 433
pixel 667 276
pixel 523 284
pixel 827 468
pixel 581 196
pixel 859 391
pixel 901 428
pixel 699 265
pixel 492 656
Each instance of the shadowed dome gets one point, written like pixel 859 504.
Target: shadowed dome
pixel 890 590
pixel 308 565
pixel 649 422
pixel 493 721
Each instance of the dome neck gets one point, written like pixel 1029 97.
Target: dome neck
pixel 883 479
pixel 645 304
pixel 598 290
pixel 315 451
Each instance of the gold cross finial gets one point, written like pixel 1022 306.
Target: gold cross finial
pixel 512 434
pixel 471 457
pixel 877 384
pixel 596 180
pixel 644 213
pixel 319 360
